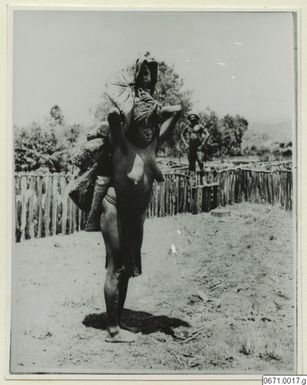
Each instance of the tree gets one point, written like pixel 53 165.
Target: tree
pixel 232 129
pixel 36 147
pixel 169 91
pixel 56 116
pixel 49 145
pixel 211 122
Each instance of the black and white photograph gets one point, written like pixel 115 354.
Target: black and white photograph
pixel 154 192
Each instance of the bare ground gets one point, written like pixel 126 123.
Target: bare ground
pixel 223 302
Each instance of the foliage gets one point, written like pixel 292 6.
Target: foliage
pixel 212 125
pixel 49 145
pixel 282 150
pixel 232 129
pixel 169 91
pixel 225 134
pixel 270 150
pixel 56 116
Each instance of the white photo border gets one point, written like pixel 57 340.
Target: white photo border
pixel 6 232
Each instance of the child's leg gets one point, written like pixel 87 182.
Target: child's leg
pixel 101 187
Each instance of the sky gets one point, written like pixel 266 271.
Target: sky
pixel 237 63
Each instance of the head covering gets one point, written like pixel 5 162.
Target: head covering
pixel 193 116
pixel 123 93
pixel 153 67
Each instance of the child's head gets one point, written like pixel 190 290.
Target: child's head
pixel 145 76
pixel 146 73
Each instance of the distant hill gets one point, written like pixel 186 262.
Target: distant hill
pixel 265 134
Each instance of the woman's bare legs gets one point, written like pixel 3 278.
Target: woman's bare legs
pixel 116 281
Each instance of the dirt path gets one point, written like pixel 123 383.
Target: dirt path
pixel 224 302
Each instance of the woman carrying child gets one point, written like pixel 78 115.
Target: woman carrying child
pixel 139 113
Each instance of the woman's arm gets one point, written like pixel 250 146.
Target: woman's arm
pixel 183 133
pixel 171 109
pixel 118 138
pixel 205 137
pixel 174 112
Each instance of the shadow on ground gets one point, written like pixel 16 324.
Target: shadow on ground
pixel 146 322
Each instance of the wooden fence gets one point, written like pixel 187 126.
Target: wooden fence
pixel 43 207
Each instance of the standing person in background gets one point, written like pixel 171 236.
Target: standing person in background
pixel 197 138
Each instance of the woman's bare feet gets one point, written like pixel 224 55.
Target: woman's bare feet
pixel 121 336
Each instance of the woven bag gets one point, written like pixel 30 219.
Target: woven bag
pixel 81 189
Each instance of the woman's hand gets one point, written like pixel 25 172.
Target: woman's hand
pixel 177 108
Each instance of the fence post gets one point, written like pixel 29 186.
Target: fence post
pixel 64 203
pixel 39 202
pixel 23 207
pixel 31 206
pixel 196 200
pixel 47 205
pixel 54 204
